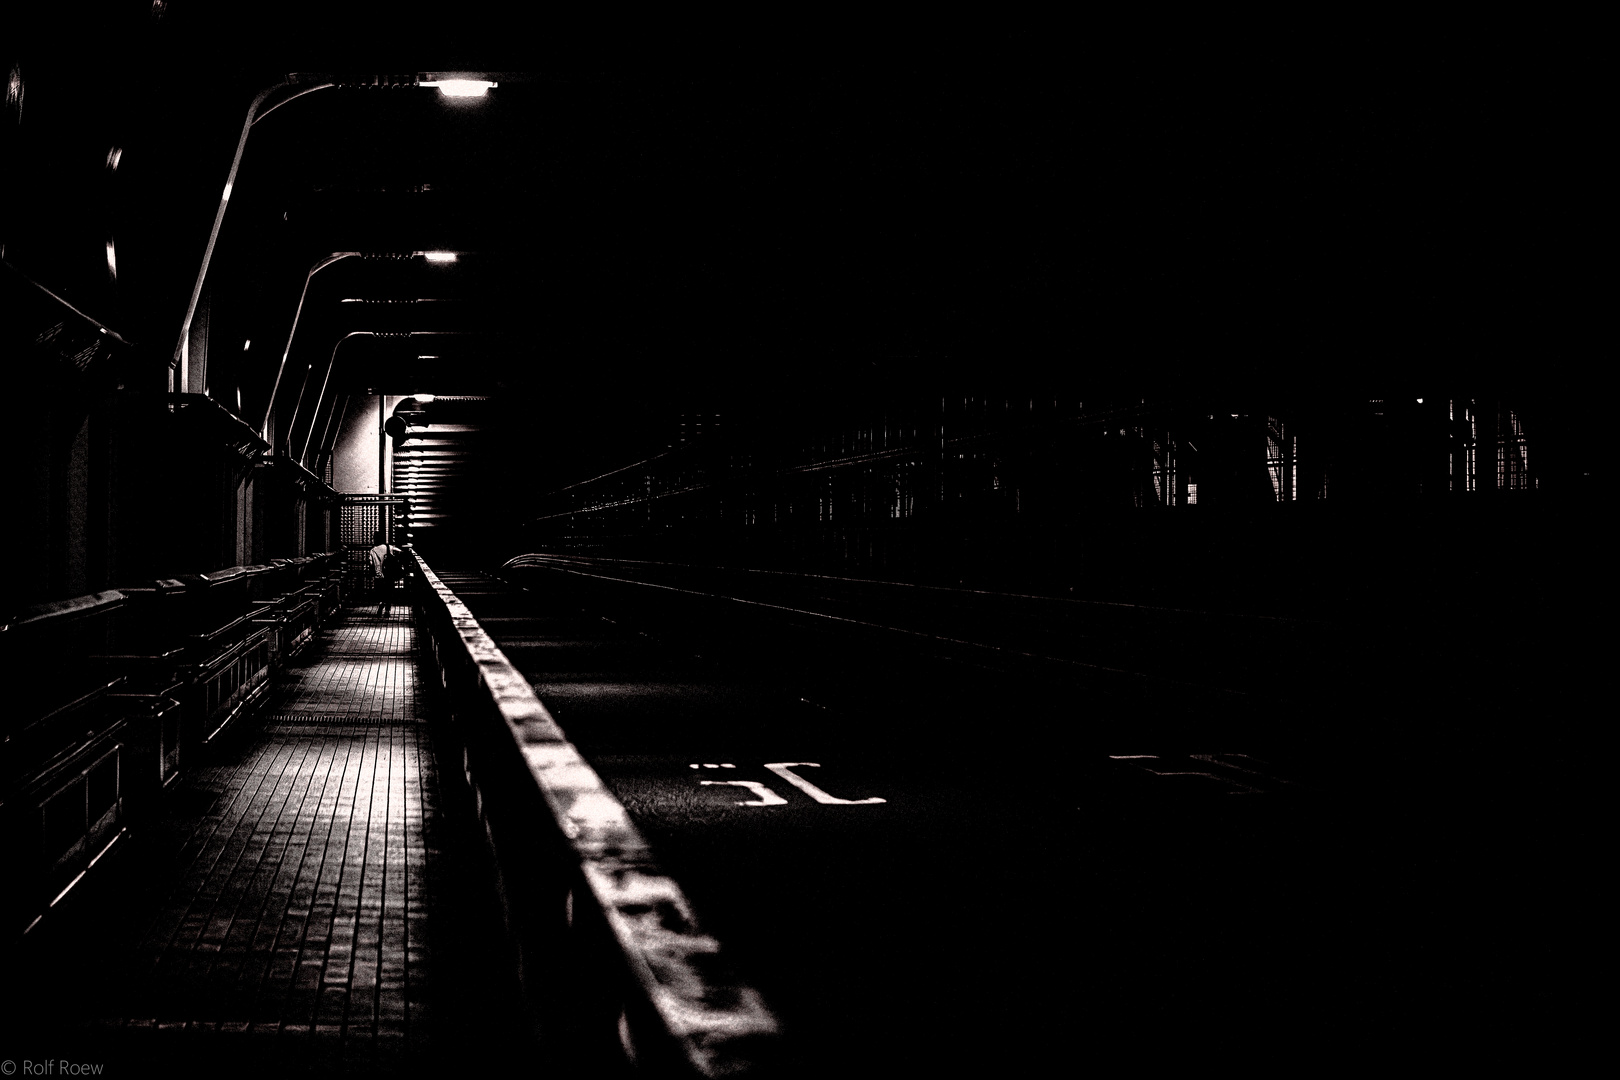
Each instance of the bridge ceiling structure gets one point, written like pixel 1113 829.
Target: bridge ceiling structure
pixel 705 223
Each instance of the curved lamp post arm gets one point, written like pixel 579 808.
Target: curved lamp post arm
pixel 330 365
pixel 449 83
pixel 322 264
pixel 281 368
pixel 293 97
pixel 329 433
pixel 183 346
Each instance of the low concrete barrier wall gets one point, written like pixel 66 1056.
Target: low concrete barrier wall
pixel 610 950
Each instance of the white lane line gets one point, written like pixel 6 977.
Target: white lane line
pixel 781 768
pixel 1221 761
pixel 896 629
pixel 1121 757
pixel 543 560
pixel 1247 788
pixel 767 797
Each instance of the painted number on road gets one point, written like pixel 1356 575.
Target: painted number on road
pixel 767 797
pixel 784 769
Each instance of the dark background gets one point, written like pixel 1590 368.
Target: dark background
pixel 773 240
pixel 789 233
pixel 858 206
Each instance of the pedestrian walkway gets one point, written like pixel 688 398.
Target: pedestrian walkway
pixel 363 669
pixel 314 896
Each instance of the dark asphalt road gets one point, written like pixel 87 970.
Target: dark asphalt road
pixel 1036 881
pixel 1074 869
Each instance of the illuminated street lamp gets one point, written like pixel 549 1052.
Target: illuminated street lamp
pixel 331 364
pixel 459 88
pixel 322 264
pixel 450 84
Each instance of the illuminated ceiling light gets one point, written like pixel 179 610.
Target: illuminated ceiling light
pixel 439 256
pixel 246 343
pixel 461 88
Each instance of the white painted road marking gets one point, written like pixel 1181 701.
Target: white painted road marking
pixel 1240 771
pixel 1246 789
pixel 781 768
pixel 767 797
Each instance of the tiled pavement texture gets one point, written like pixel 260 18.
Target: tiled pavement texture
pixel 314 898
pixel 360 668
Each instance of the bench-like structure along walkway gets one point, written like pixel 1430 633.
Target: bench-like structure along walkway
pixel 311 896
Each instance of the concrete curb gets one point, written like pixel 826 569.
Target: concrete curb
pixel 717 1022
